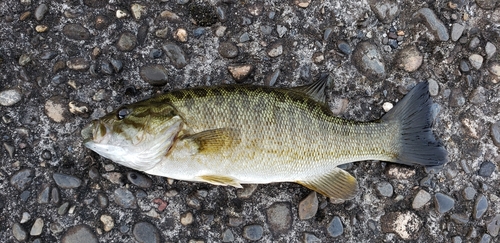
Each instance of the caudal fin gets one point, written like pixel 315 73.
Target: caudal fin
pixel 417 144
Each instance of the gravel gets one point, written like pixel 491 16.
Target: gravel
pixel 64 63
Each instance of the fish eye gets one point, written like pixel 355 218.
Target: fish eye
pixel 122 113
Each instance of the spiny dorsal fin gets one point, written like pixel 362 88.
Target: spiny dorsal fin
pixel 316 89
pixel 215 140
pixel 338 184
pixel 220 180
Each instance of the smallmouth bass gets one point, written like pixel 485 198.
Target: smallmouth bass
pixel 245 134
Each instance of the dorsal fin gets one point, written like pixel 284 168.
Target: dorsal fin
pixel 215 140
pixel 316 89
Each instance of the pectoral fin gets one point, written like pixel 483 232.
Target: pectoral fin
pixel 338 184
pixel 214 140
pixel 220 180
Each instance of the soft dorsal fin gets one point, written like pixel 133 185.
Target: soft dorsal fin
pixel 338 184
pixel 215 140
pixel 316 89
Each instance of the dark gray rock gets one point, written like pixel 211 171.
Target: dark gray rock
pixel 125 198
pixel 460 218
pixel 368 61
pixel 385 10
pixel 344 47
pixel 457 98
pixel 40 11
pixel 279 217
pixel 139 180
pixel 469 193
pixel 25 195
pixel 495 133
pixel 485 238
pixel 21 179
pixel 66 181
pixel 154 74
pixel 43 196
pixel 227 236
pixel 228 50
pixel 76 32
pixel 272 78
pixel 474 43
pixel 480 206
pixel 335 228
pixel 253 232
pixel 102 199
pixel 48 55
pixel 145 232
pixel 385 189
pixel 310 238
pixel 486 169
pixel 493 226
pixel 79 234
pixel 432 22
pixel 176 55
pixel 444 203
pixel 126 42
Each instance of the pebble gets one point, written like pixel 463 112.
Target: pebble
pixel 101 22
pixel 78 64
pixel 495 133
pixel 55 196
pixel 102 199
pixel 493 226
pixel 494 68
pixel 279 217
pixel 10 97
pixel 406 224
pixel 79 234
pixel 368 61
pixel 108 222
pixel 124 198
pixel 444 203
pixel 476 61
pixel 433 23
pixel 385 10
pixel 469 193
pixel 139 180
pixel 228 50
pixel 244 37
pixel 25 195
pixel 486 169
pixel 480 207
pixel 18 232
pixel 490 50
pixel 43 196
pixel 457 98
pixel 181 35
pixel 37 227
pixel 21 179
pixel 126 42
pixel 271 79
pixel 63 209
pixel 456 31
pixel 281 30
pixel 464 66
pixel 433 87
pixel 487 4
pixel 121 14
pixel 145 232
pixel 308 207
pixel 227 236
pixel 176 55
pixel 240 72
pixel 460 218
pixel 40 11
pixel 24 59
pixel 137 10
pixel 385 189
pixel 410 59
pixel 485 238
pixel 253 232
pixel 335 228
pixel 66 181
pixel 117 65
pixel 187 218
pixel 474 43
pixel 302 3
pixel 275 50
pixel 25 217
pixel 310 238
pixel 48 55
pixel 154 74
pixel 76 32
pixel 344 47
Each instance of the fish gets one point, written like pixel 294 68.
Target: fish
pixel 231 135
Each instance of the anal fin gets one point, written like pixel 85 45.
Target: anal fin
pixel 220 180
pixel 338 184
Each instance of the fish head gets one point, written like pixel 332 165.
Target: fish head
pixel 137 136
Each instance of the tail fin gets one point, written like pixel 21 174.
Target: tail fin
pixel 413 114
